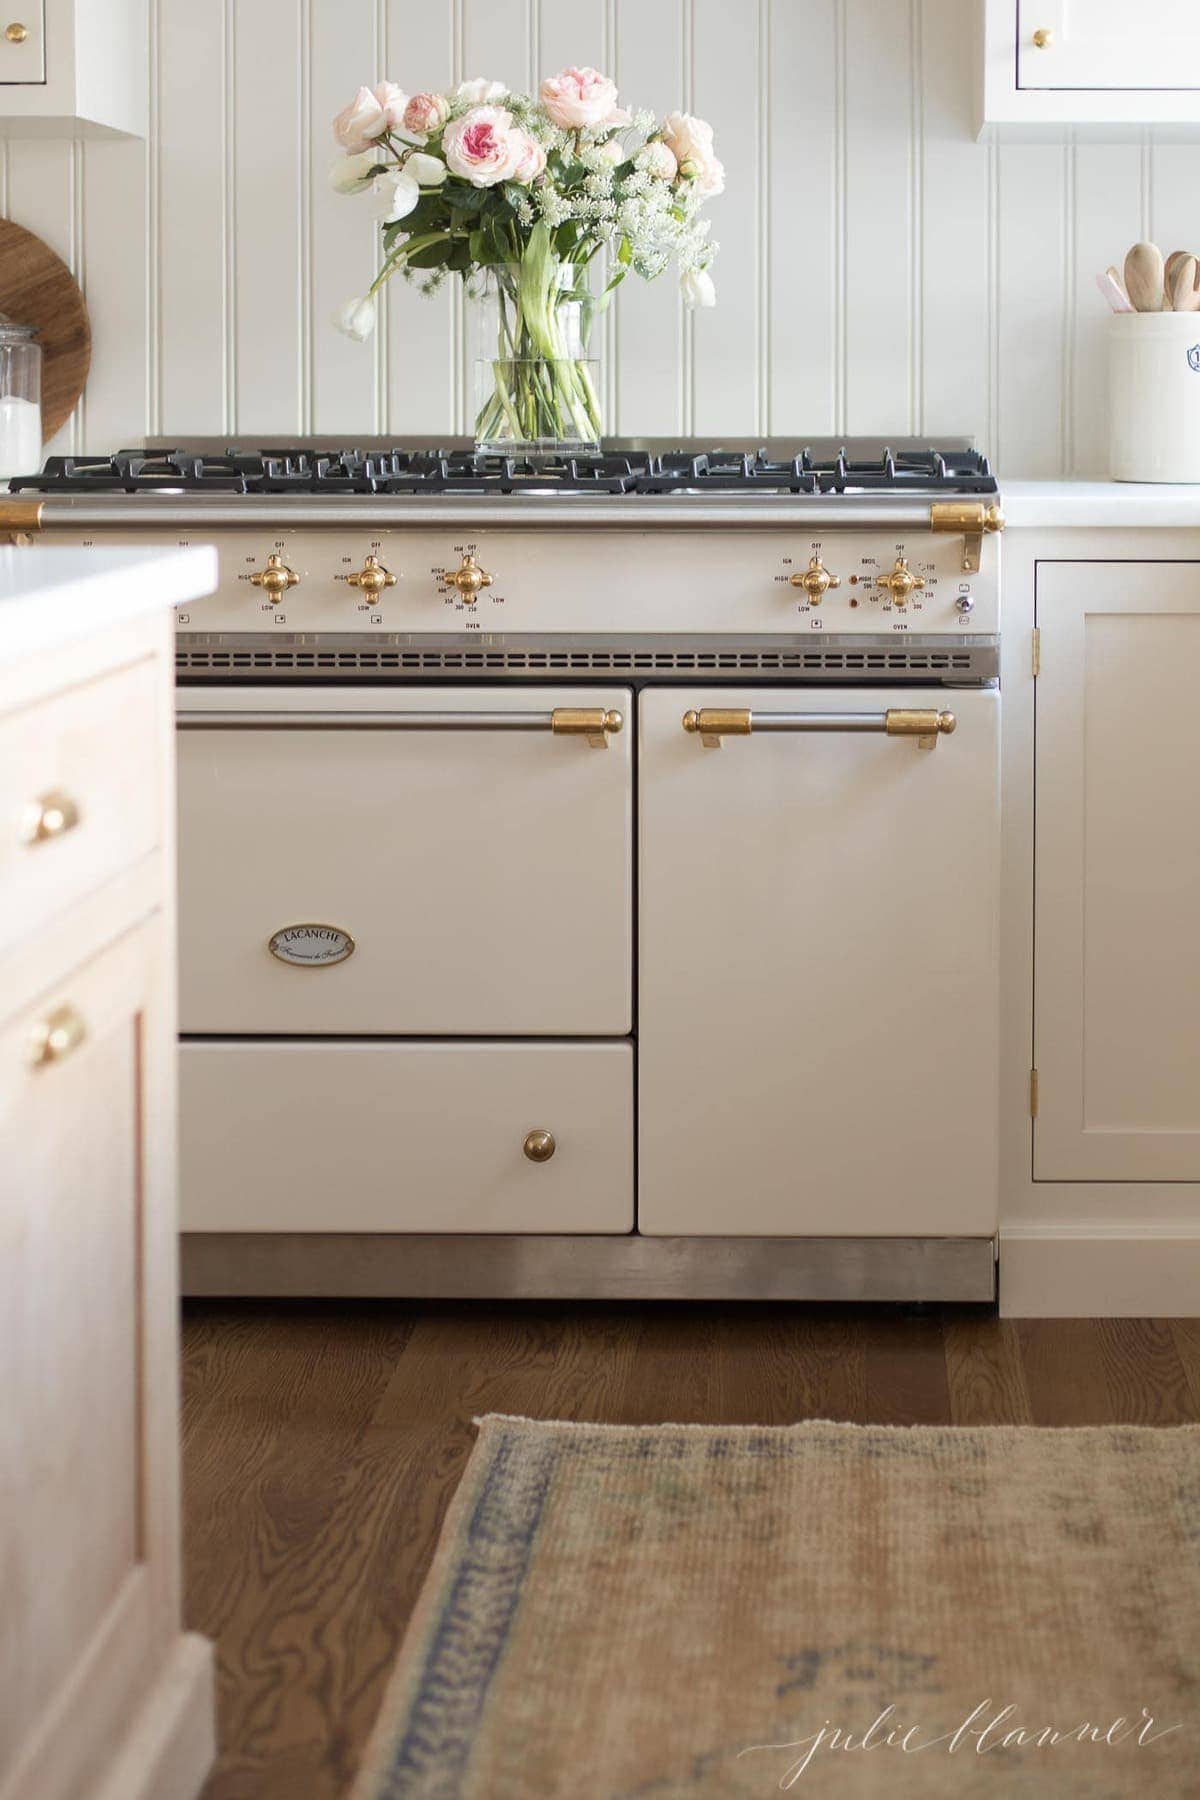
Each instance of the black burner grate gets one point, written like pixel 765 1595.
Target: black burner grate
pixel 433 472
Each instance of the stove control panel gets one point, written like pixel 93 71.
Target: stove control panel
pixel 398 580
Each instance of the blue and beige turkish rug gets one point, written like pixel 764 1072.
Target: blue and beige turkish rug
pixel 667 1612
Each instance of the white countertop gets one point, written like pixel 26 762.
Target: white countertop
pixel 1128 505
pixel 50 596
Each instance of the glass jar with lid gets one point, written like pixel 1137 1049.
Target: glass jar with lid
pixel 20 399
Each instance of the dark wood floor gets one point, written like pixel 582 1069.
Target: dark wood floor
pixel 321 1444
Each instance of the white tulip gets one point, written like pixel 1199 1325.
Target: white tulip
pixel 696 286
pixel 350 174
pixel 357 317
pixel 396 195
pixel 429 171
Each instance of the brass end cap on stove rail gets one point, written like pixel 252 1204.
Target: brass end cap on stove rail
pixel 19 519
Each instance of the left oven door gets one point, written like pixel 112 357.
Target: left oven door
pixel 407 862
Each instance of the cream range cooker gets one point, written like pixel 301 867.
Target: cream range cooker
pixel 588 871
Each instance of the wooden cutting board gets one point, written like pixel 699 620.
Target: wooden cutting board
pixel 37 288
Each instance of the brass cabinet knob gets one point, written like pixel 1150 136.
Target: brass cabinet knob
pixel 1043 38
pixel 48 817
pixel 467 579
pixel 540 1146
pixel 372 578
pixel 816 581
pixel 15 33
pixel 275 579
pixel 901 583
pixel 54 1037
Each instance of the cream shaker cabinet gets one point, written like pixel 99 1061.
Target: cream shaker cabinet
pixel 1091 62
pixel 102 1696
pixel 1117 873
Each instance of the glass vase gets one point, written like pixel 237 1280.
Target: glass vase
pixel 536 386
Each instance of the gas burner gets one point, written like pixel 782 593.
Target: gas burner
pixel 397 472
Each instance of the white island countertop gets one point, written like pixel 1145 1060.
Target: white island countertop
pixel 1097 505
pixel 51 596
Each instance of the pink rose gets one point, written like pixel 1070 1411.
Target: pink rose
pixel 426 112
pixel 484 146
pixel 532 163
pixel 360 123
pixel 478 91
pixel 690 141
pixel 576 98
pixel 658 160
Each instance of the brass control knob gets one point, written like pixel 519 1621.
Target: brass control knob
pixel 540 1146
pixel 275 579
pixel 372 578
pixel 816 581
pixel 901 583
pixel 468 578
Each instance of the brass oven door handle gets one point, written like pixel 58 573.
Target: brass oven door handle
pixel 596 724
pixel 712 723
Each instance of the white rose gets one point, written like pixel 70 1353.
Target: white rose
pixel 397 193
pixel 357 317
pixel 611 151
pixel 350 174
pixel 393 102
pixel 696 286
pixel 477 92
pixel 360 123
pixel 690 141
pixel 484 146
pixel 658 160
pixel 429 171
pixel 576 98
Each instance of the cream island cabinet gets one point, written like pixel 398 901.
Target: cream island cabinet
pixel 1101 956
pixel 102 1694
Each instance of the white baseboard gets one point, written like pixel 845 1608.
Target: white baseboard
pixel 171 1744
pixel 1088 1269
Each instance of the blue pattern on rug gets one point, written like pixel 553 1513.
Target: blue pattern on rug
pixel 470 1635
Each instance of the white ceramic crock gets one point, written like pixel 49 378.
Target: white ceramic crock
pixel 1154 396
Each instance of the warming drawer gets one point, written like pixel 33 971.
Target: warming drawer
pixel 449 862
pixel 413 1137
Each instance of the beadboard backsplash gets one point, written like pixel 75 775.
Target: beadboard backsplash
pixel 880 271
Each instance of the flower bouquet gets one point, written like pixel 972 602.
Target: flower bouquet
pixel 519 196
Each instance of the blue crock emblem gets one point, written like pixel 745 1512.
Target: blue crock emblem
pixel 1194 359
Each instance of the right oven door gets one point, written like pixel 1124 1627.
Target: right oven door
pixel 818 989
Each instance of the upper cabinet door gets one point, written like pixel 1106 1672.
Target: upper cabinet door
pixel 1117 984
pixel 1108 44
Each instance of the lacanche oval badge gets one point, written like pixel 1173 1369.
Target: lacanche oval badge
pixel 311 946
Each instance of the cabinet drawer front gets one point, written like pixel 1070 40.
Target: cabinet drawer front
pixel 23 43
pixel 818 988
pixel 477 878
pixel 1098 44
pixel 406 1137
pixel 79 794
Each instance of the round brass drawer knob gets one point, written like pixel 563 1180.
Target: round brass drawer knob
pixel 15 33
pixel 1043 38
pixel 540 1146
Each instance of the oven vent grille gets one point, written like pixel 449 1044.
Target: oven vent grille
pixel 962 662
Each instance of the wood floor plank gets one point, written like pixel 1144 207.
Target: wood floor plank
pixel 984 1372
pixel 777 1365
pixel 906 1381
pixel 1063 1364
pixel 1146 1380
pixel 1186 1334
